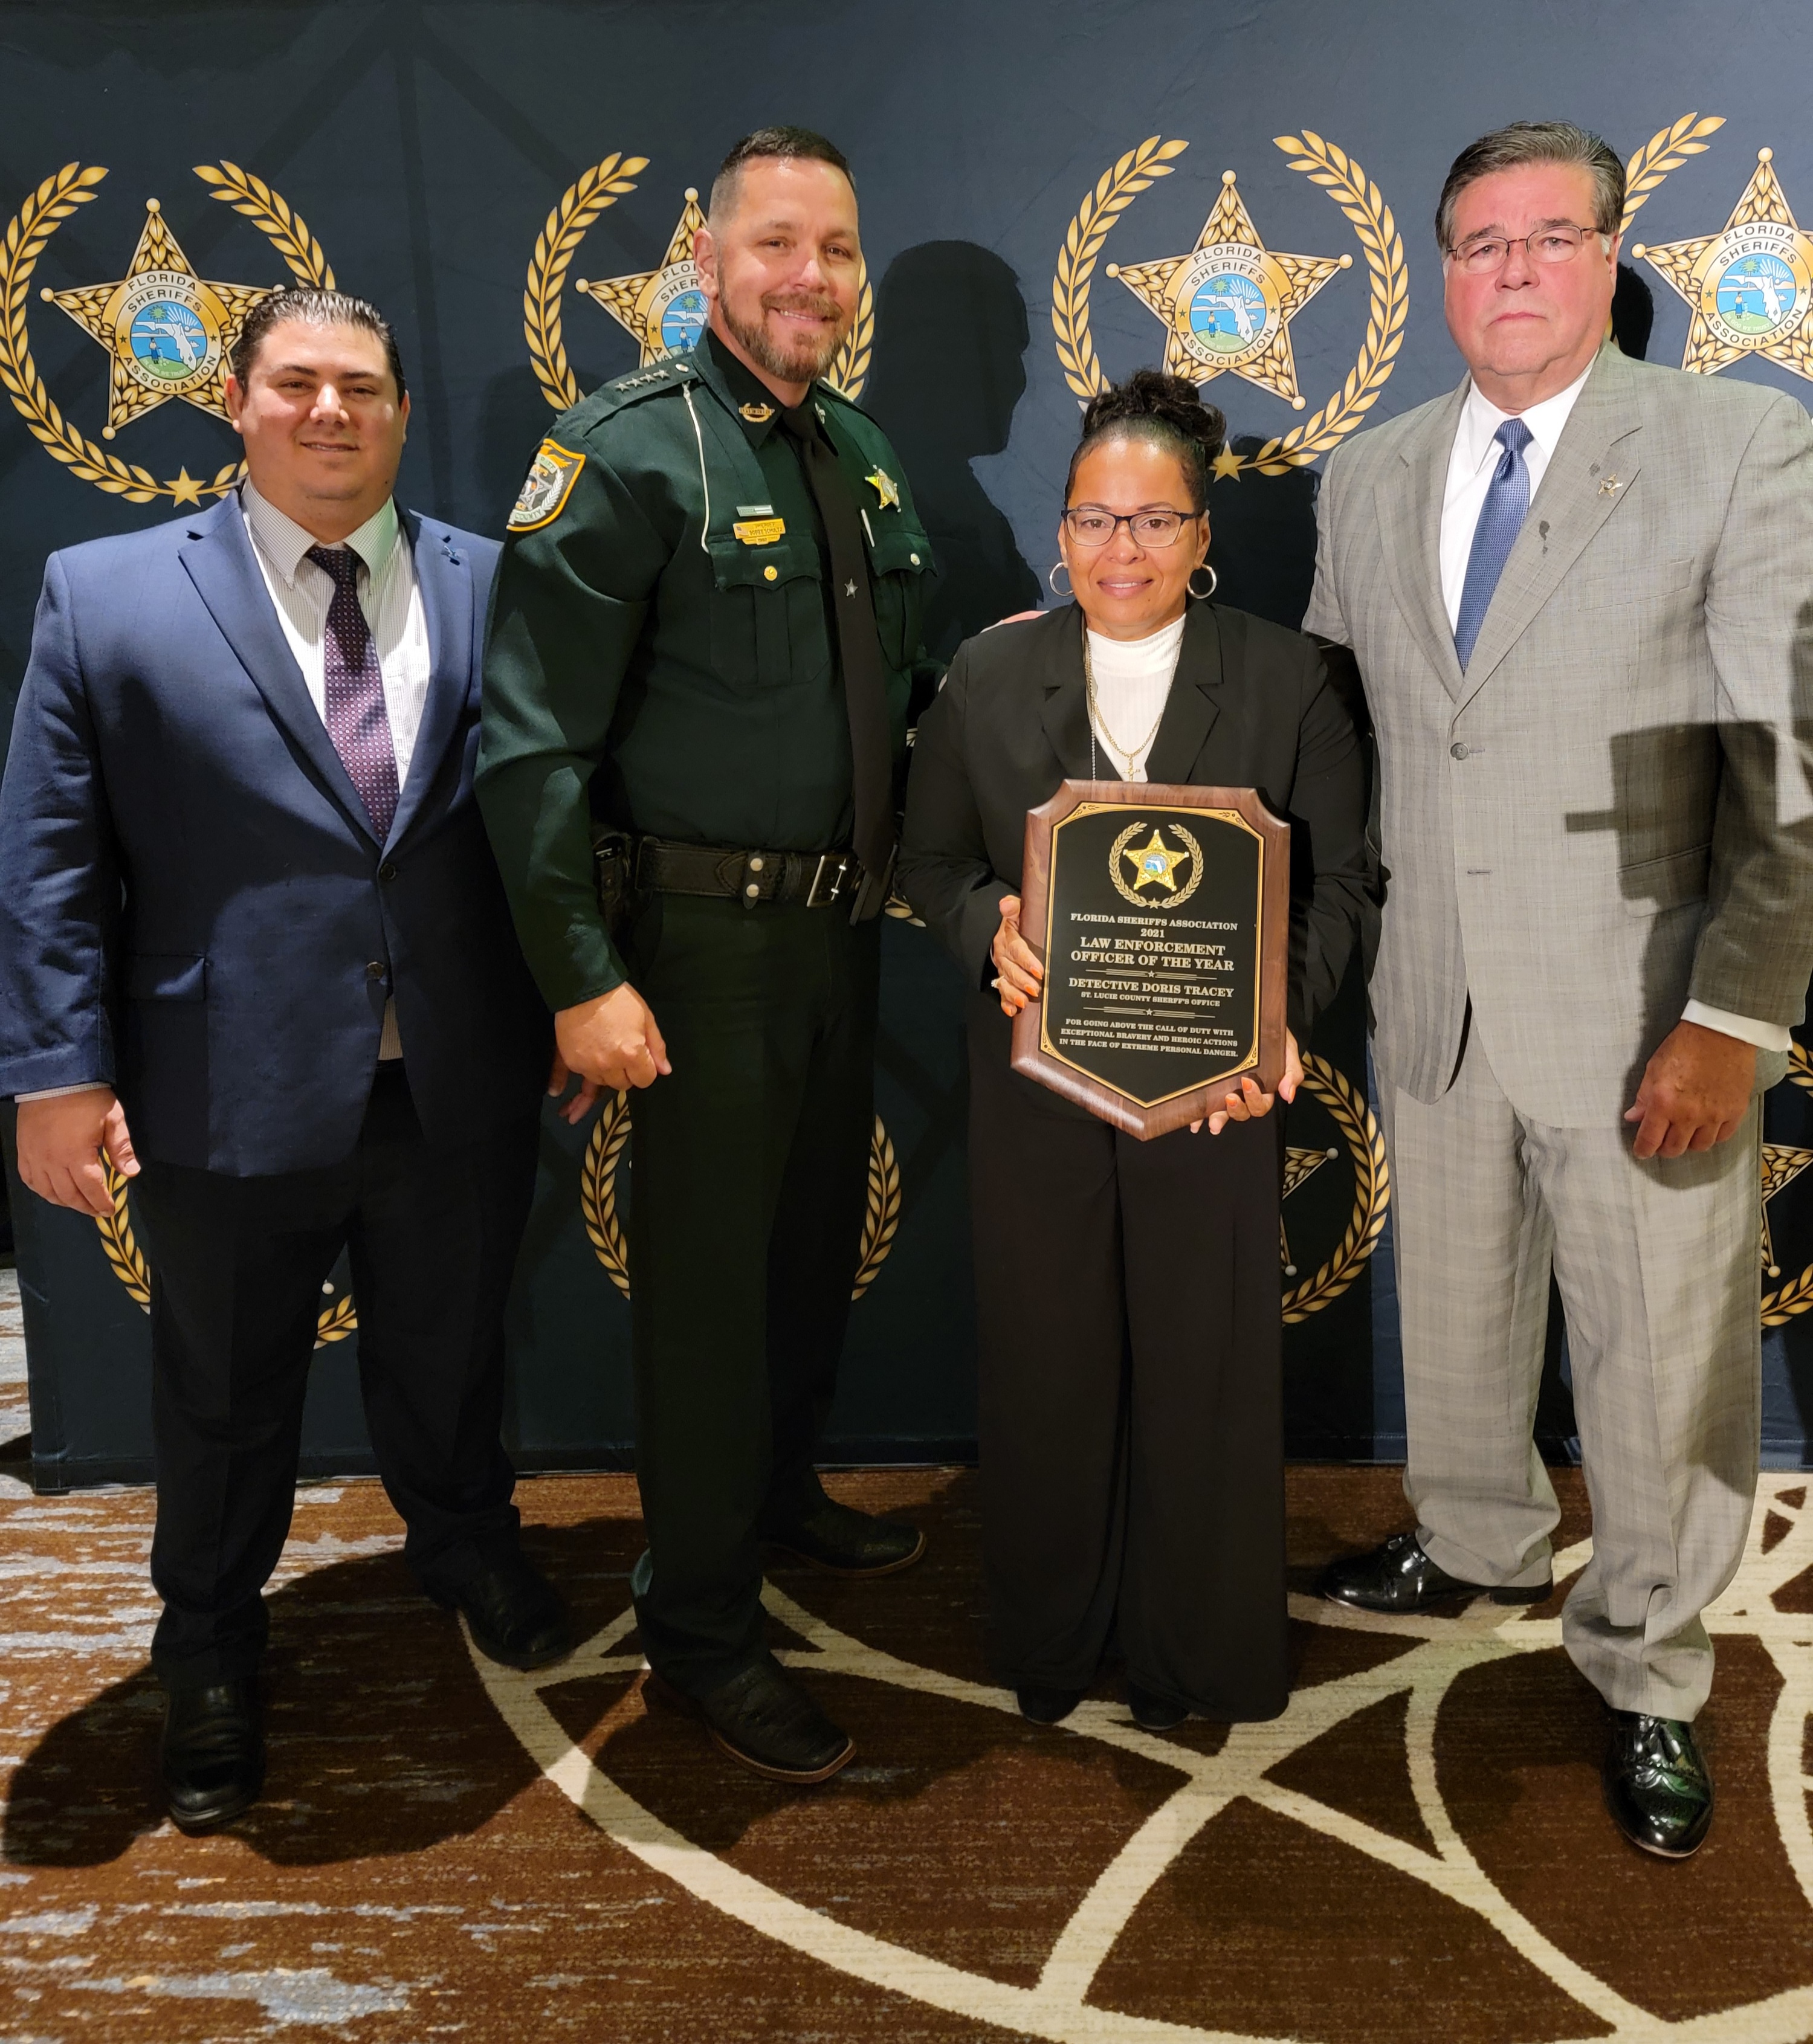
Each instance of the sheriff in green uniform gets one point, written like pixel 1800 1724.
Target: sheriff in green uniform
pixel 703 646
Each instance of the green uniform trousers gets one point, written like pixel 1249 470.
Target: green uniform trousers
pixel 749 1177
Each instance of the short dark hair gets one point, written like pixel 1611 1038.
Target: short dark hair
pixel 1535 142
pixel 313 307
pixel 1167 410
pixel 796 145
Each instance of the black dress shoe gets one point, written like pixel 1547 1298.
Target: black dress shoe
pixel 1152 1712
pixel 1398 1576
pixel 514 1613
pixel 1047 1706
pixel 212 1758
pixel 843 1541
pixel 766 1721
pixel 1657 1786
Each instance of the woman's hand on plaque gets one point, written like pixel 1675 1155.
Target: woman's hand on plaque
pixel 1249 1104
pixel 1018 974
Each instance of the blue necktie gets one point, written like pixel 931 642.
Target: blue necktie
pixel 1501 519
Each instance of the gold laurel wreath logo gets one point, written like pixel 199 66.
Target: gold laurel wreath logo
pixel 29 232
pixel 555 246
pixel 604 1227
pixel 558 243
pixel 1373 226
pixel 1164 902
pixel 1666 150
pixel 127 1260
pixel 1797 1294
pixel 1365 1141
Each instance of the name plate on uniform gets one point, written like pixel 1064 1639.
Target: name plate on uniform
pixel 1162 914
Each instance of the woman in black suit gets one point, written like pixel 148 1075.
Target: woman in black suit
pixel 1127 1291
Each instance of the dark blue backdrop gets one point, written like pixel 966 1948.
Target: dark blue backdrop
pixel 425 147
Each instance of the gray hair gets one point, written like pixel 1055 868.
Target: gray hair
pixel 1535 142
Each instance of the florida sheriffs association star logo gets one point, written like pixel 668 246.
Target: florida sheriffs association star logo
pixel 1155 864
pixel 1228 304
pixel 663 309
pixel 167 332
pixel 1750 287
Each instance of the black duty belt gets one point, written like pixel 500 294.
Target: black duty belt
pixel 816 878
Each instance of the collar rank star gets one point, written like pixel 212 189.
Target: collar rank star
pixel 757 415
pixel 886 488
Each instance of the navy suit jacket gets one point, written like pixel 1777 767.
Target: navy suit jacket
pixel 193 906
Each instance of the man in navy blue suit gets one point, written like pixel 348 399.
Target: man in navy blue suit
pixel 255 954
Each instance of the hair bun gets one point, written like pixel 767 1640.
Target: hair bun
pixel 1150 393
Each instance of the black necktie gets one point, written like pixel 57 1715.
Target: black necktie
pixel 859 651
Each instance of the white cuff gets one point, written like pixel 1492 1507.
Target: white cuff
pixel 56 1092
pixel 1766 1036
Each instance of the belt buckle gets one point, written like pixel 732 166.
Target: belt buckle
pixel 843 863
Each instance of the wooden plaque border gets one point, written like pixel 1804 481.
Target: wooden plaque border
pixel 1099 1097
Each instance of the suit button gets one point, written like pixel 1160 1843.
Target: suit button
pixel 375 968
pixel 387 870
pixel 1457 751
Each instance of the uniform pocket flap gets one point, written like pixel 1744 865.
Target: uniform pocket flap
pixel 737 566
pixel 167 976
pixel 1652 885
pixel 898 549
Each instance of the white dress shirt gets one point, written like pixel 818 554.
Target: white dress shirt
pixel 389 595
pixel 1133 684
pixel 1475 455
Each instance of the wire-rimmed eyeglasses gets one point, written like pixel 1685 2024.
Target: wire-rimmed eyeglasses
pixel 1559 242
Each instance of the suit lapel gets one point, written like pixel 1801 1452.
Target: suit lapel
pixel 443 576
pixel 1194 703
pixel 1066 713
pixel 220 562
pixel 1411 522
pixel 1597 445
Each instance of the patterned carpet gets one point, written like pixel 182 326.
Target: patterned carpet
pixel 1415 1852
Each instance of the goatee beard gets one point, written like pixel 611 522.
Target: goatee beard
pixel 807 359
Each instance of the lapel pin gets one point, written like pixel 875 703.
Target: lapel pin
pixel 1611 487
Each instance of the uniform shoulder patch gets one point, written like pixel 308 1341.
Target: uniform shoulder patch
pixel 547 486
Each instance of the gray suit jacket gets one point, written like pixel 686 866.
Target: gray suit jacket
pixel 1608 814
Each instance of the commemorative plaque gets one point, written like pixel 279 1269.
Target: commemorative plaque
pixel 1161 915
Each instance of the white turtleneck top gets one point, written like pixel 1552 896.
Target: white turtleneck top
pixel 1132 681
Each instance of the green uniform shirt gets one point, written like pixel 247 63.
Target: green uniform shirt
pixel 661 653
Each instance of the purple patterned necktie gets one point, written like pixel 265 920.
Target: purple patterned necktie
pixel 357 719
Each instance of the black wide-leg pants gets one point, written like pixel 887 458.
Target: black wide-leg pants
pixel 237 1268
pixel 750 1165
pixel 1131 1423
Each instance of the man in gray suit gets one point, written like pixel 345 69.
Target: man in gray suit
pixel 1579 589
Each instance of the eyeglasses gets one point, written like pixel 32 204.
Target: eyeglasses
pixel 1560 242
pixel 1091 527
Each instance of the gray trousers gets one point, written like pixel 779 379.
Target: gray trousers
pixel 1659 1269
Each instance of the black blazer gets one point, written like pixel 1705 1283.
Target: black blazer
pixel 1252 706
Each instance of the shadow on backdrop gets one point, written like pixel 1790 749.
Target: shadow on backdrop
pixel 951 337
pixel 1262 540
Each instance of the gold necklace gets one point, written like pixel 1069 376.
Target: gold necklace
pixel 1096 718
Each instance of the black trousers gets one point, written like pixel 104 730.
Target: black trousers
pixel 749 1173
pixel 237 1267
pixel 1132 1433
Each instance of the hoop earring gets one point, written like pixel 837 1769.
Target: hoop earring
pixel 1052 579
pixel 1202 595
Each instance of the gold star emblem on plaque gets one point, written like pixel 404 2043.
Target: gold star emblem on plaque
pixel 1227 305
pixel 886 488
pixel 1299 1164
pixel 664 308
pixel 1155 865
pixel 1750 287
pixel 1782 1164
pixel 168 333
